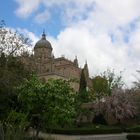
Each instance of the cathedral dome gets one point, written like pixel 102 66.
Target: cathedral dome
pixel 43 42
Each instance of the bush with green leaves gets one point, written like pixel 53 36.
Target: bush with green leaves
pixel 11 132
pixel 18 119
pixel 133 129
pixel 133 137
pixel 86 130
pixel 48 104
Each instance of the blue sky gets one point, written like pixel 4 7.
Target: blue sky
pixel 104 32
pixel 8 13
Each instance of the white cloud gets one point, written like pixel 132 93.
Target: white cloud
pixel 42 17
pixel 135 42
pixel 95 30
pixel 28 34
pixel 26 7
pixel 99 51
pixel 120 11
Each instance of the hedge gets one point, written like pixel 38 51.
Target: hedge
pixel 133 129
pixel 133 136
pixel 30 138
pixel 84 131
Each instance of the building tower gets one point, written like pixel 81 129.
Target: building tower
pixel 75 61
pixel 43 49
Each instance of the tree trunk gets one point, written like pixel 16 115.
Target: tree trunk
pixel 37 133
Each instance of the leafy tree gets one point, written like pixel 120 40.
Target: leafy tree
pixel 136 94
pixel 33 102
pixel 60 100
pixel 17 119
pixel 48 104
pixel 83 83
pixel 105 83
pixel 114 81
pixel 12 70
pixel 12 42
pixel 137 83
pixel 12 73
pixel 136 100
pixel 82 95
pixel 99 87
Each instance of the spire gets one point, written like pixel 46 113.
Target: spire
pixel 43 34
pixel 86 65
pixel 76 61
pixel 86 69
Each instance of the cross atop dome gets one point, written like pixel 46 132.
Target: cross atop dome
pixel 43 34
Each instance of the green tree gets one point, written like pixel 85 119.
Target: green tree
pixel 105 83
pixel 12 74
pixel 48 104
pixel 60 101
pixel 136 93
pixel 114 80
pixel 12 70
pixel 99 87
pixel 32 100
pixel 83 83
pixel 137 82
pixel 82 95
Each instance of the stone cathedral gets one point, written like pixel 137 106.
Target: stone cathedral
pixel 47 66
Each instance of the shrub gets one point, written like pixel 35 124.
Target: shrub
pixel 9 132
pixel 133 136
pixel 134 129
pixel 85 131
pixel 32 138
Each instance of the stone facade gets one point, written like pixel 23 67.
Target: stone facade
pixel 47 66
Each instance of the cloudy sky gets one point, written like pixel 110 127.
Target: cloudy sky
pixel 105 33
